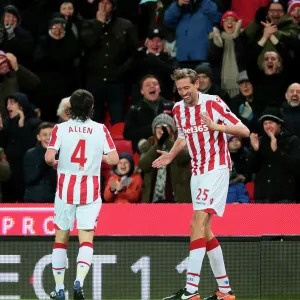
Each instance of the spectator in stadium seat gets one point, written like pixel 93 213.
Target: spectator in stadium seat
pixel 16 137
pixel 56 57
pixel 207 86
pixel 110 42
pixel 193 21
pixel 61 111
pixel 15 39
pixel 14 78
pixel 275 161
pixel 225 52
pixel 138 123
pixel 291 109
pixel 73 22
pixel 272 77
pixel 167 184
pixel 153 59
pixel 40 179
pixel 242 104
pixel 124 186
pixel 294 10
pixel 274 20
pixel 237 192
pixel 5 171
pixel 239 156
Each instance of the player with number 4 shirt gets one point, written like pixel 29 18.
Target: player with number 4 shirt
pixel 81 143
pixel 203 122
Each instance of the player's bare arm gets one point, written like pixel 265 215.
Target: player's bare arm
pixel 238 129
pixel 167 157
pixel 50 158
pixel 111 158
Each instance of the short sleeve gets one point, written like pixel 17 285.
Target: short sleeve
pixel 55 139
pixel 176 117
pixel 109 144
pixel 224 113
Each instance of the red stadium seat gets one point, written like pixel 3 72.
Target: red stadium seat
pixel 250 189
pixel 123 146
pixel 136 158
pixel 116 131
pixel 105 171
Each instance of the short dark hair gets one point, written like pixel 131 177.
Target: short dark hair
pixel 82 103
pixel 44 125
pixel 146 77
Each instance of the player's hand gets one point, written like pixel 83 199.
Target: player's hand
pixel 22 118
pixel 183 2
pixel 254 141
pixel 163 160
pixel 273 140
pixel 208 121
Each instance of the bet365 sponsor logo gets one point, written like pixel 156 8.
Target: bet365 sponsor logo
pixel 195 129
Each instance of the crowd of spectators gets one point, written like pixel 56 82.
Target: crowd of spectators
pixel 123 52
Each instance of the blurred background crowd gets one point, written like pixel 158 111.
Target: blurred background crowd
pixel 123 52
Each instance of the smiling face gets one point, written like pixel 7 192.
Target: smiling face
pixel 44 136
pixel 67 9
pixel 188 91
pixel 229 24
pixel 271 63
pixel 275 13
pixel 155 45
pixel 123 166
pixel 12 107
pixel 295 14
pixel 10 19
pixel 271 126
pixel 293 94
pixel 246 88
pixel 150 89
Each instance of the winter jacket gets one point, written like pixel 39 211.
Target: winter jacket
pixel 193 23
pixel 40 179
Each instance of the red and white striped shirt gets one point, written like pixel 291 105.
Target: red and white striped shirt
pixel 208 149
pixel 81 146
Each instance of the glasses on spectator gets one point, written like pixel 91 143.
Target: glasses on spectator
pixel 229 19
pixel 276 11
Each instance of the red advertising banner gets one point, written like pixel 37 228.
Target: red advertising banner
pixel 157 220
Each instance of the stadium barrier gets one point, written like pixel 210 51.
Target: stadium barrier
pixel 140 251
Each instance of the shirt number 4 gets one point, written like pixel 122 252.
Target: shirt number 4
pixel 78 156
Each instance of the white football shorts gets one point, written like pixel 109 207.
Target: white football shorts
pixel 86 215
pixel 209 191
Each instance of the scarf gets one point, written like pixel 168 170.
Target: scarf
pixel 160 184
pixel 229 72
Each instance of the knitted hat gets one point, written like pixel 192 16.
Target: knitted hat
pixel 204 69
pixel 243 76
pixel 293 4
pixel 11 9
pixel 281 2
pixel 272 114
pixel 234 136
pixel 57 18
pixel 229 13
pixel 161 120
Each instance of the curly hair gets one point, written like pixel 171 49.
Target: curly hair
pixel 82 103
pixel 185 73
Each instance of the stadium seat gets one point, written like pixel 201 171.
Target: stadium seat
pixel 105 171
pixel 123 146
pixel 116 131
pixel 136 158
pixel 250 189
